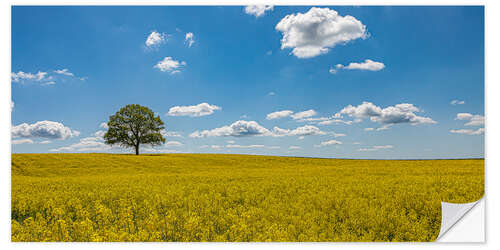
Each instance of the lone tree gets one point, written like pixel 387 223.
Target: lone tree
pixel 134 125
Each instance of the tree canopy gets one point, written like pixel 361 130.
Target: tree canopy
pixel 134 125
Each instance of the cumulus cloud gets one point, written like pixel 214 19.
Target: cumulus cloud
pixel 306 130
pixel 85 144
pixel 160 150
pixel 173 144
pixel 279 114
pixel 251 146
pixel 479 131
pixel 313 33
pixel 43 78
pixel 21 76
pixel 237 129
pixel 474 120
pixel 45 142
pixel 252 128
pixel 155 39
pixel 304 114
pixel 43 129
pixel 399 113
pixel 328 143
pixel 22 141
pixel 258 10
pixel 100 133
pixel 457 102
pixel 217 147
pixel 366 65
pixel 244 146
pixel 64 72
pixel 189 39
pixel 332 71
pixel 170 133
pixel 170 65
pixel 201 109
pixel 375 148
pixel 103 125
pixel 336 134
pixel 329 121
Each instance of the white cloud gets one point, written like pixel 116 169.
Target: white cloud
pixel 22 141
pixel 155 39
pixel 244 146
pixel 399 113
pixel 173 144
pixel 328 143
pixel 332 71
pixel 217 147
pixel 369 129
pixel 231 142
pixel 257 10
pixel 103 125
pixel 366 65
pixel 336 134
pixel 385 127
pixel 313 33
pixel 271 93
pixel 252 128
pixel 375 148
pixel 45 142
pixel 21 76
pixel 479 131
pixel 294 147
pixel 85 144
pixel 160 150
pixel 457 102
pixel 237 129
pixel 64 72
pixel 100 134
pixel 474 120
pixel 251 146
pixel 43 129
pixel 201 109
pixel 300 131
pixel 464 116
pixel 304 114
pixel 279 114
pixel 334 121
pixel 170 65
pixel 189 39
pixel 313 119
pixel 170 133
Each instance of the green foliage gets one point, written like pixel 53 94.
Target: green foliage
pixel 203 197
pixel 134 125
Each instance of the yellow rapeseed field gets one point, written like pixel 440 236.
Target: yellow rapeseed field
pixel 215 197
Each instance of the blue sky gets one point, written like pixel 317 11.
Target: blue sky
pixel 376 82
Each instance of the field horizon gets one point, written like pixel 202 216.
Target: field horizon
pixel 285 156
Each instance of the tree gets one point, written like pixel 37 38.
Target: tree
pixel 134 125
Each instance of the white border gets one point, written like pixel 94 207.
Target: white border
pixel 492 81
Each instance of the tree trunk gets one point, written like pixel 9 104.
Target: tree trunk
pixel 137 149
